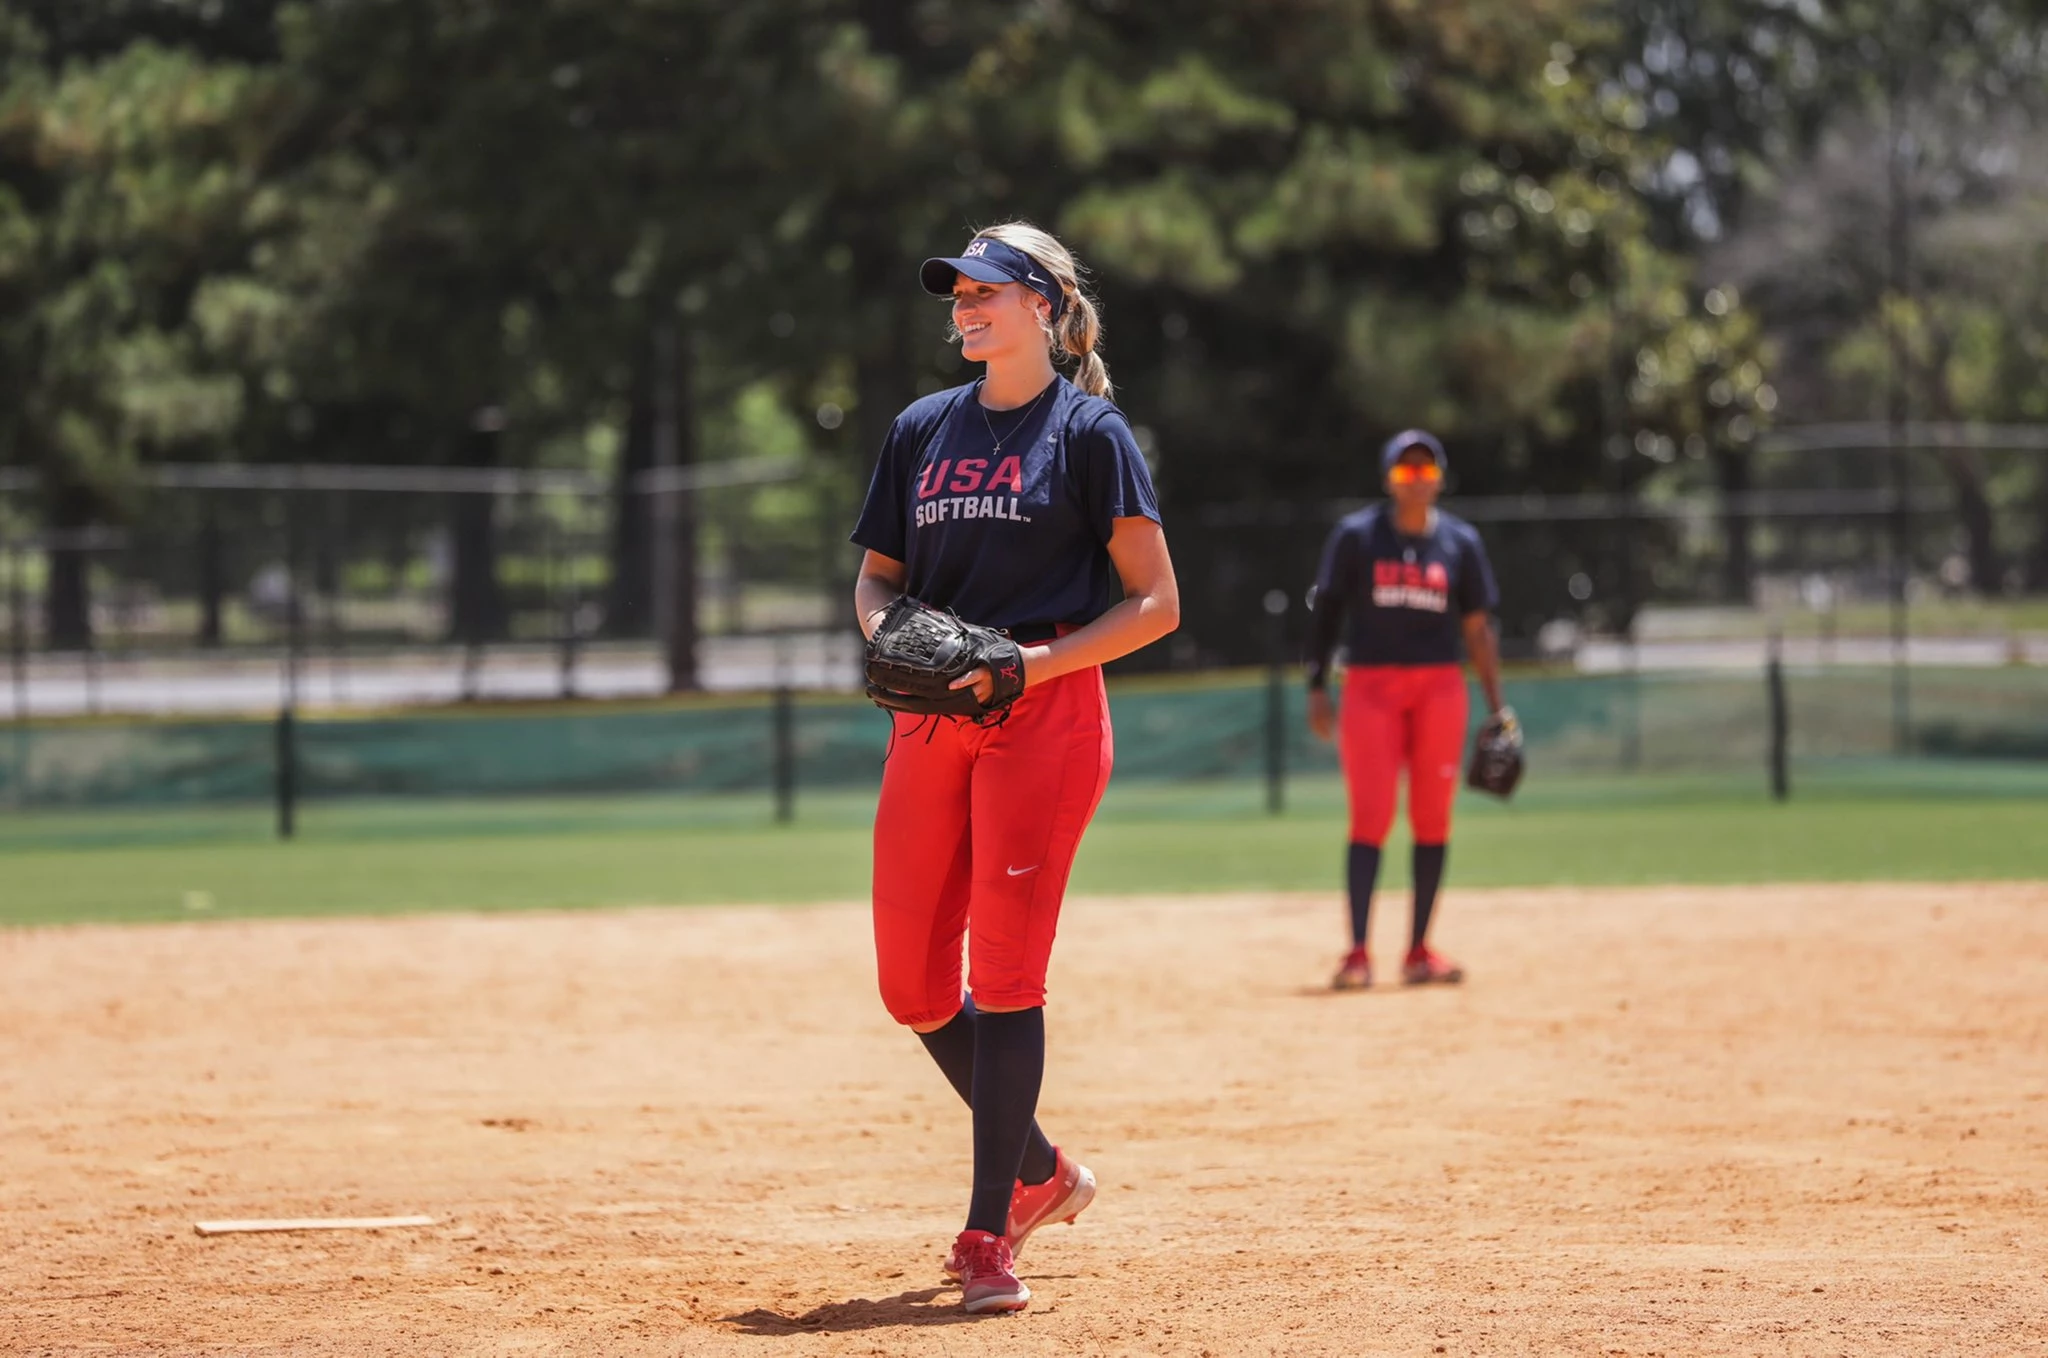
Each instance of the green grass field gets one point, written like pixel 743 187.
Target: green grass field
pixel 382 858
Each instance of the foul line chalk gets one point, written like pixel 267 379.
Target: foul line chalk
pixel 308 1224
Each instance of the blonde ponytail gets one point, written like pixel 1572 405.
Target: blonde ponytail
pixel 1079 329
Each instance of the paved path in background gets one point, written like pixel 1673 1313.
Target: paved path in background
pixel 1611 657
pixel 68 686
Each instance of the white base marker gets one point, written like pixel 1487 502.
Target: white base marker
pixel 308 1224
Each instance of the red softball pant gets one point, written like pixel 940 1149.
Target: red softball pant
pixel 975 834
pixel 1396 715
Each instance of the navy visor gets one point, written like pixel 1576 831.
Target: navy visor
pixel 988 260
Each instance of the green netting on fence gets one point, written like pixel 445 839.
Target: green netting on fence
pixel 1842 728
pixel 1961 714
pixel 720 750
pixel 137 764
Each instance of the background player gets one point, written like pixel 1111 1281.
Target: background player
pixel 1019 501
pixel 1405 582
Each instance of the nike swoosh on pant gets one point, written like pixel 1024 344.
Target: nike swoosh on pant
pixel 1019 872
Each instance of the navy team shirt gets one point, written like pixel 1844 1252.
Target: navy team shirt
pixel 1400 600
pixel 1016 539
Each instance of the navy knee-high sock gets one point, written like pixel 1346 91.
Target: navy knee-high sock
pixel 1009 1066
pixel 1361 870
pixel 1429 875
pixel 953 1048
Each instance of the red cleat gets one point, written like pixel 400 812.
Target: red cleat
pixel 1060 1198
pixel 1355 974
pixel 988 1277
pixel 1424 967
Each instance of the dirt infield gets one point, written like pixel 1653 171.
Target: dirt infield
pixel 1757 1121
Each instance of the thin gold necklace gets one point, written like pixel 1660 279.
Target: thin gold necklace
pixel 1022 421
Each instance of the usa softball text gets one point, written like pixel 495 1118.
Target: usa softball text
pixel 971 507
pixel 963 478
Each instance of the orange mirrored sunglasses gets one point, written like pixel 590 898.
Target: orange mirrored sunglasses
pixel 1407 473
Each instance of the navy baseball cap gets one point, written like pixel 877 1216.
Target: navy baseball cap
pixel 1412 438
pixel 988 260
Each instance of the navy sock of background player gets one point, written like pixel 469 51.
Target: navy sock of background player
pixel 1362 872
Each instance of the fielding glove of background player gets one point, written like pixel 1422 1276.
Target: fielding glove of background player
pixel 1497 755
pixel 917 652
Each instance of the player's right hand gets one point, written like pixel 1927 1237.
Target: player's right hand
pixel 1322 718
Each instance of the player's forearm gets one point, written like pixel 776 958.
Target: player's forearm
pixel 1137 622
pixel 1323 622
pixel 1484 649
pixel 872 592
pixel 1489 682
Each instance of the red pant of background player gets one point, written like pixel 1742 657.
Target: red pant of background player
pixel 1395 716
pixel 975 833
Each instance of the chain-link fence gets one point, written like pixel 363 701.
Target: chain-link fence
pixel 237 589
pixel 1592 739
pixel 1852 551
pixel 234 589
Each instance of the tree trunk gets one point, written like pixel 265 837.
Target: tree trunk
pixel 733 595
pixel 212 577
pixel 628 607
pixel 2037 567
pixel 1732 470
pixel 883 377
pixel 1624 600
pixel 882 386
pixel 477 614
pixel 1973 507
pixel 1965 471
pixel 675 554
pixel 67 599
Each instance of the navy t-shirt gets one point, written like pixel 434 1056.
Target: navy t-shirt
pixel 1016 539
pixel 1400 600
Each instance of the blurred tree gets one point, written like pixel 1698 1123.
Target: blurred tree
pixel 238 31
pixel 1728 91
pixel 1885 254
pixel 1320 222
pixel 464 233
pixel 1313 224
pixel 127 187
pixel 1733 90
pixel 546 192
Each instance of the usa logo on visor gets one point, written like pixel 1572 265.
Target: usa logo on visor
pixel 975 249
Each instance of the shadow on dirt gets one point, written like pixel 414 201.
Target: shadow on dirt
pixel 921 1306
